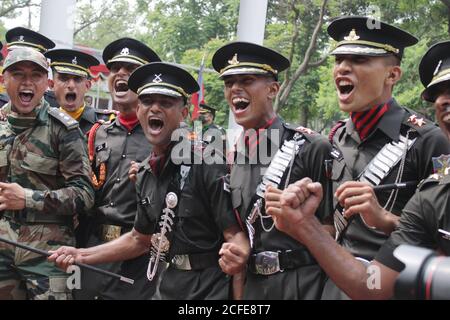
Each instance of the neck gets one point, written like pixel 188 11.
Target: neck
pixel 126 109
pixel 160 149
pixel 74 114
pixel 263 121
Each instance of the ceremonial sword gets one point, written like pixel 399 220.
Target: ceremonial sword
pixel 81 265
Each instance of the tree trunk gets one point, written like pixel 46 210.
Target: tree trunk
pixel 289 82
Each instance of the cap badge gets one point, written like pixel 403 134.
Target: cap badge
pixel 74 61
pixel 416 121
pixel 352 36
pixel 234 60
pixel 436 71
pixel 125 52
pixel 21 39
pixel 157 78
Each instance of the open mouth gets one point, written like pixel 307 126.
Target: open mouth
pixel 345 87
pixel 121 86
pixel 71 97
pixel 155 125
pixel 240 104
pixel 26 96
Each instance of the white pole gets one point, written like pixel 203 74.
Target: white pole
pixel 251 27
pixel 57 21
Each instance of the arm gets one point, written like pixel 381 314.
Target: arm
pixel 128 246
pixel 234 255
pixel 296 217
pixel 76 194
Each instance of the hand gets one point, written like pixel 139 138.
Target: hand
pixel 3 115
pixel 12 196
pixel 233 257
pixel 132 173
pixel 272 197
pixel 64 257
pixel 299 203
pixel 359 198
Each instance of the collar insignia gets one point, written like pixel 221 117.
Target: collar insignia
pixel 352 36
pixel 234 60
pixel 157 78
pixel 125 52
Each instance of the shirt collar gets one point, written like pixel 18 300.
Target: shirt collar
pixel 389 124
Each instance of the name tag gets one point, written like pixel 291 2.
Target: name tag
pixel 100 147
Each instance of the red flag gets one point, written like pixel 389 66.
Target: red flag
pixel 199 97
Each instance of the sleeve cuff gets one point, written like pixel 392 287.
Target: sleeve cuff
pixel 33 200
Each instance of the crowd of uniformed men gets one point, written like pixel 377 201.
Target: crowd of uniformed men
pixel 285 213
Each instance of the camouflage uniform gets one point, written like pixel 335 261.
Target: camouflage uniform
pixel 48 159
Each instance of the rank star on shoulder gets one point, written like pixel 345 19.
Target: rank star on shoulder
pixel 416 121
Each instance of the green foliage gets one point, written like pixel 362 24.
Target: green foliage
pixel 184 31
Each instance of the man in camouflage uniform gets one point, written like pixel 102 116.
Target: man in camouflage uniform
pixel 44 174
pixel 113 146
pixel 22 37
pixel 71 82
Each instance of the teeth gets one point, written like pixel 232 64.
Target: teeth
pixel 121 82
pixel 26 91
pixel 240 100
pixel 345 83
pixel 446 118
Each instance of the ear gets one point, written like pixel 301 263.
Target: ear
pixel 51 83
pixel 2 79
pixel 394 75
pixel 273 88
pixel 88 84
pixel 185 111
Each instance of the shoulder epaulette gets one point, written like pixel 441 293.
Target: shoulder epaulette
pixel 418 122
pixel 306 132
pixel 64 118
pixel 333 130
pixel 433 180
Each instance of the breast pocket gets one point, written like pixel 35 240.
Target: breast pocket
pixel 102 156
pixel 40 164
pixel 338 170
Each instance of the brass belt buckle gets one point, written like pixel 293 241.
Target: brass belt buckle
pixel 110 232
pixel 267 263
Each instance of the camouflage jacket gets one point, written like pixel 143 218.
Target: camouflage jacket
pixel 50 161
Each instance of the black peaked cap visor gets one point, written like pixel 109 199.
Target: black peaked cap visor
pixel 71 62
pixel 434 69
pixel 22 37
pixel 369 37
pixel 248 58
pixel 129 50
pixel 162 78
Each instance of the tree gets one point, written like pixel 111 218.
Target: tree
pixel 99 23
pixel 292 77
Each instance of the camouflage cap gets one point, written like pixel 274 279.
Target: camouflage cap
pixel 25 54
